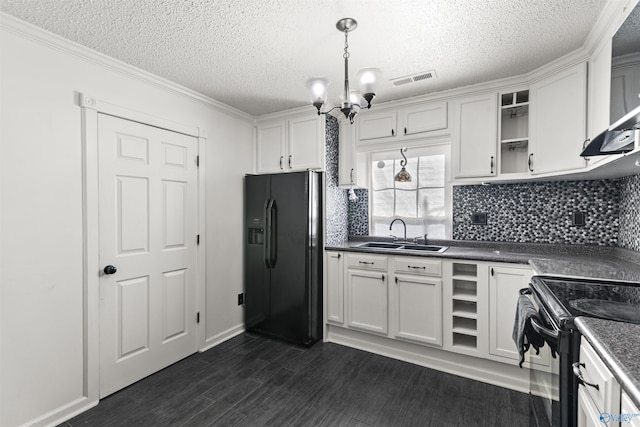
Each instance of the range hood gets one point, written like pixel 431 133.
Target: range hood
pixel 621 137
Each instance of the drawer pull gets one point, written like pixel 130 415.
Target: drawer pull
pixel 417 268
pixel 578 373
pixel 365 262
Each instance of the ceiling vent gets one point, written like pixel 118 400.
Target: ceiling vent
pixel 399 81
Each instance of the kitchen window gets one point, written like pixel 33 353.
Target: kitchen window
pixel 424 203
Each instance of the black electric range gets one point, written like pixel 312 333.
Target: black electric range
pixel 560 300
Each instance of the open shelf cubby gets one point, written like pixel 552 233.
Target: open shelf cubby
pixel 464 305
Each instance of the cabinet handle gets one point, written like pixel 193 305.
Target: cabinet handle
pixel 290 161
pixel 393 132
pixel 578 373
pixel 417 268
pixel 396 280
pixel 491 164
pixel 337 256
pixel 405 131
pixel 383 277
pixel 492 272
pixel 586 141
pixel 365 262
pixel 530 162
pixel 281 159
pixel 351 176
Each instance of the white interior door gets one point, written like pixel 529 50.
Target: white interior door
pixel 148 217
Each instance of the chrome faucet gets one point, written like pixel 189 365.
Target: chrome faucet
pixel 403 223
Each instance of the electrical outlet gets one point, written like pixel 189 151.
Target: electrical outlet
pixel 240 299
pixel 479 218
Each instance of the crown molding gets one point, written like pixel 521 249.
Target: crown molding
pixel 66 46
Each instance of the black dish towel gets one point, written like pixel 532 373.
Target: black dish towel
pixel 523 333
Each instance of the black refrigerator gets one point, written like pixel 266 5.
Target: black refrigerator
pixel 283 256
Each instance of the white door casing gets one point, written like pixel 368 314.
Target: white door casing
pixel 148 212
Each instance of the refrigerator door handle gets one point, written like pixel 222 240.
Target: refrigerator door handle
pixel 273 233
pixel 267 241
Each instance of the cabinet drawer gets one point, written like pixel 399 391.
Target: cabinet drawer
pixel 367 262
pixel 418 266
pixel 594 371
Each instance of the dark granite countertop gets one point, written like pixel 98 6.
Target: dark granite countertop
pixel 595 262
pixel 617 344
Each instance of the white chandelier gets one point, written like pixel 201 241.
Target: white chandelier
pixel 366 77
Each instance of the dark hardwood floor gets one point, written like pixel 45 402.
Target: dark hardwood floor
pixel 255 381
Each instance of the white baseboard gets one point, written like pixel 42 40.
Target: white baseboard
pixel 62 413
pixel 484 370
pixel 222 337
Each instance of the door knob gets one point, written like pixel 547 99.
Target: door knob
pixel 110 269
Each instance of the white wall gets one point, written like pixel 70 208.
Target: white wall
pixel 41 210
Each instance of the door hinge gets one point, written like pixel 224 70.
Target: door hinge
pixel 198 317
pixel 197 161
pixel 198 239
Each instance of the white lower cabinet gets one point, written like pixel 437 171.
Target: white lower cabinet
pixel 367 293
pixel 416 300
pixel 599 395
pixel 335 287
pixel 505 281
pixel 629 411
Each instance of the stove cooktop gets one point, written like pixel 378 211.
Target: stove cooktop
pixel 618 301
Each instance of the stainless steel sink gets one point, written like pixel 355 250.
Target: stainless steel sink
pixel 403 246
pixel 380 245
pixel 427 248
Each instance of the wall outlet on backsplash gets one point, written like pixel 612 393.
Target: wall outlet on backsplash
pixel 479 218
pixel 578 219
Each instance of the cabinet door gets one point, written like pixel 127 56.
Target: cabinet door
pixel 352 168
pixel 504 284
pixel 335 288
pixel 270 147
pixel 558 121
pixel 367 301
pixel 628 407
pixel 376 125
pixel 423 118
pixel 416 308
pixel 475 136
pixel 306 143
pixel 588 413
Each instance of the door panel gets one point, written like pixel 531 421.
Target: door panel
pixel 148 217
pixel 289 291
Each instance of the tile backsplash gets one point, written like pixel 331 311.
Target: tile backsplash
pixel 629 236
pixel 539 212
pixel 336 203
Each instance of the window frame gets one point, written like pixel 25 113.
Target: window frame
pixel 415 150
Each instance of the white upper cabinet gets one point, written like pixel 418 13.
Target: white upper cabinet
pixel 422 118
pixel 404 122
pixel 475 136
pixel 352 167
pixel 558 121
pixel 290 144
pixel 376 125
pixel 599 91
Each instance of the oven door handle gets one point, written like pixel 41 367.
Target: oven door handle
pixel 545 332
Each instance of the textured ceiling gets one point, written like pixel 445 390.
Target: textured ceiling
pixel 256 55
